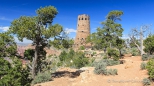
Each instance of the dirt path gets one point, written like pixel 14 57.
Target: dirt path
pixel 129 74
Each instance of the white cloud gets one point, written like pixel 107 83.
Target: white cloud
pixel 70 30
pixel 4 28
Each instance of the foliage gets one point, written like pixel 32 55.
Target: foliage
pixel 143 65
pixel 124 51
pixel 131 42
pixel 149 44
pixel 146 82
pixel 62 42
pixel 29 54
pixel 42 77
pixel 82 47
pixel 150 68
pixel 80 60
pixel 120 43
pixel 40 29
pixel 145 57
pixel 113 53
pixel 100 68
pixel 135 52
pixel 106 37
pixel 7 45
pixel 13 74
pixel 73 59
pixel 108 62
pixel 112 72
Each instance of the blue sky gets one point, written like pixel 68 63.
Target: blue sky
pixel 136 12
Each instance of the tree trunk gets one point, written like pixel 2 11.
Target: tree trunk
pixel 141 40
pixel 34 63
pixel 120 53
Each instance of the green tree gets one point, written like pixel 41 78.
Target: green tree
pixel 7 45
pixel 13 74
pixel 106 37
pixel 62 41
pixel 120 43
pixel 29 54
pixel 111 29
pixel 38 29
pixel 149 44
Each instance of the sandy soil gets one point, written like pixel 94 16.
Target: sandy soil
pixel 129 74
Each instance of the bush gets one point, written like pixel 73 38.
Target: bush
pixel 113 53
pixel 134 51
pixel 42 77
pixel 146 82
pixel 100 68
pixel 143 66
pixel 149 44
pixel 82 47
pixel 145 57
pixel 150 68
pixel 112 72
pixel 123 51
pixel 73 59
pixel 110 62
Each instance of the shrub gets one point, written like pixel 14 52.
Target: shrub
pixel 123 51
pixel 82 47
pixel 151 56
pixel 110 62
pixel 42 77
pixel 149 44
pixel 134 52
pixel 112 72
pixel 80 60
pixel 150 68
pixel 145 57
pixel 146 82
pixel 113 53
pixel 143 66
pixel 29 54
pixel 73 59
pixel 100 68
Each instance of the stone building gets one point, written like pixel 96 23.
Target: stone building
pixel 83 30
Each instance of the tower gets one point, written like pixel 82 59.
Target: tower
pixel 83 30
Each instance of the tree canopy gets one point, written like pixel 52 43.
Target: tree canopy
pixel 7 45
pixel 39 29
pixel 149 44
pixel 109 33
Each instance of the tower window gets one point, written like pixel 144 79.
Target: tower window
pixel 79 18
pixel 82 18
pixel 85 18
pixel 82 31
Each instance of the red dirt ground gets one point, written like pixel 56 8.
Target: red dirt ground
pixel 129 74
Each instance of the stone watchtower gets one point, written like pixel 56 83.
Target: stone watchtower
pixel 83 30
